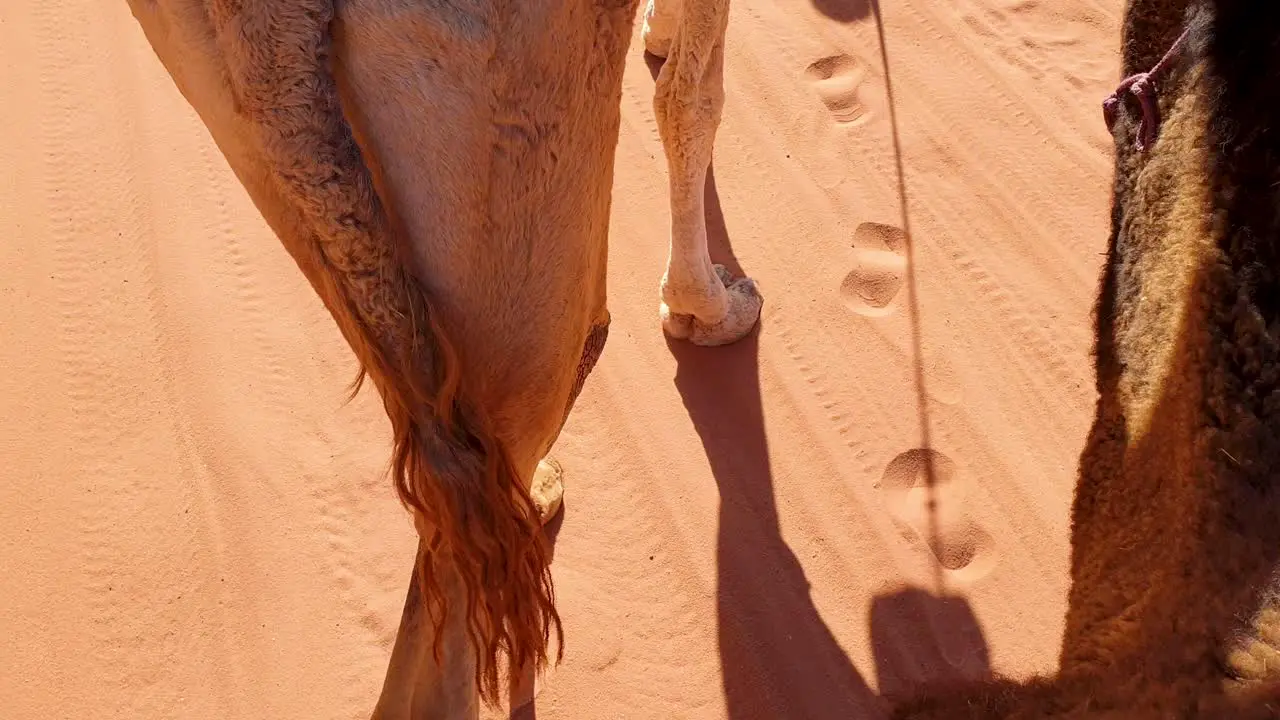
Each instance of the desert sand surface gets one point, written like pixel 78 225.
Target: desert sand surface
pixel 194 525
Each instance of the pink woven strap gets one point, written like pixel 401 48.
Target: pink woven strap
pixel 1143 87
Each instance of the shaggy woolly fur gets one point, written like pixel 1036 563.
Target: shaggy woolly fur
pixel 1174 609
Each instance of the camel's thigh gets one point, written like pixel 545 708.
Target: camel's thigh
pixel 700 301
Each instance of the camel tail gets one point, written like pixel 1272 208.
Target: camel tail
pixel 449 467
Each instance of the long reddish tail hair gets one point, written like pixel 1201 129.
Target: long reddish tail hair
pixel 449 467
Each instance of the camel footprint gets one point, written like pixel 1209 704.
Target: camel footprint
pixel 875 283
pixel 927 503
pixel 838 80
pixel 880 267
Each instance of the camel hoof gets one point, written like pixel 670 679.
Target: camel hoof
pixel 656 34
pixel 658 48
pixel 547 489
pixel 744 301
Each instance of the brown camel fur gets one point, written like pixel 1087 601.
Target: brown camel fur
pixel 441 170
pixel 1174 608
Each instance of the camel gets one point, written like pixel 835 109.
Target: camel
pixel 1174 606
pixel 441 174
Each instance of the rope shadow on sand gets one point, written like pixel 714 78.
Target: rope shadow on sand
pixel 919 636
pixel 845 11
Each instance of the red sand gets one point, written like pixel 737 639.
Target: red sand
pixel 195 527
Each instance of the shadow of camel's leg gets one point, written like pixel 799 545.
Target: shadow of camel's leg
pixel 700 301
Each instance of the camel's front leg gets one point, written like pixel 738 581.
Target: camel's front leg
pixel 700 301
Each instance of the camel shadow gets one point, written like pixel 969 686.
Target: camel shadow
pixel 919 638
pixel 845 11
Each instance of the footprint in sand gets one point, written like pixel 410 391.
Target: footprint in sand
pixel 875 282
pixel 942 382
pixel 937 515
pixel 838 80
pixel 880 266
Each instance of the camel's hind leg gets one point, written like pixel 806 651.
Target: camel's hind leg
pixel 700 301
